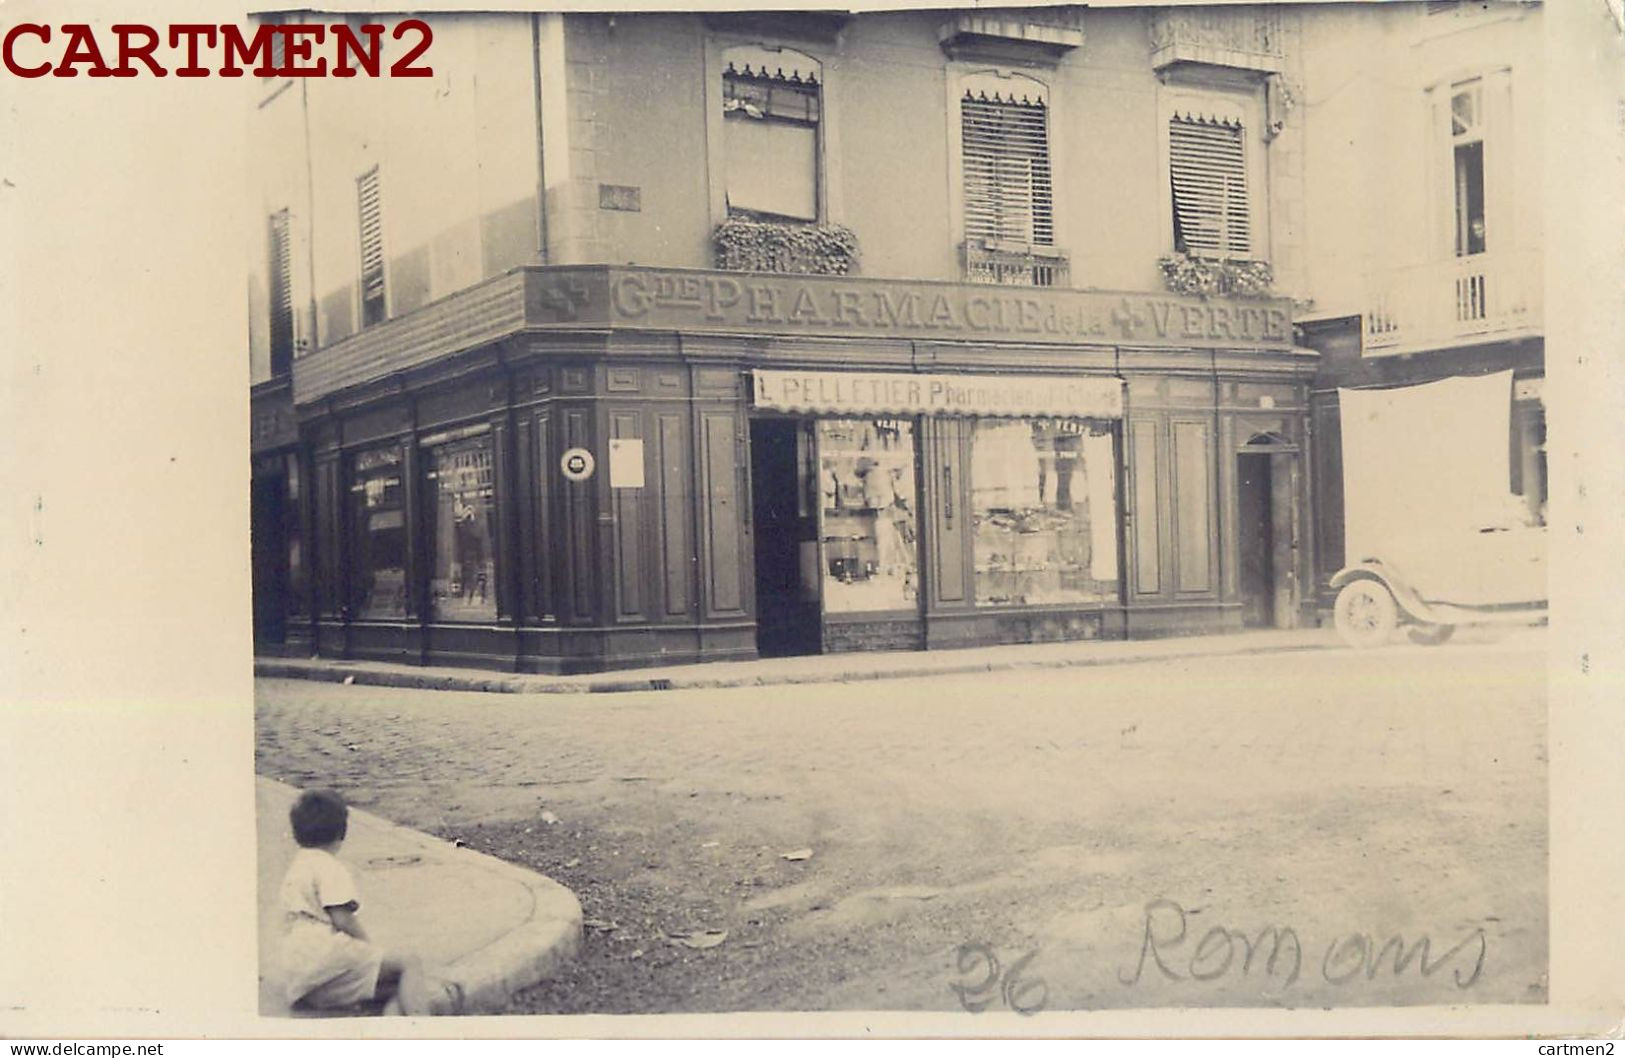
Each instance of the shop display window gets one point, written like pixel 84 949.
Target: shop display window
pixel 378 513
pixel 462 579
pixel 867 489
pixel 1044 505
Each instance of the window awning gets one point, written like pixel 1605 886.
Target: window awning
pixel 900 393
pixel 771 64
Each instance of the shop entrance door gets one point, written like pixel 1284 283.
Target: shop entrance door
pixel 1254 541
pixel 1266 531
pixel 785 524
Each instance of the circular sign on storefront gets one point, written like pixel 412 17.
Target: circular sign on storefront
pixel 577 464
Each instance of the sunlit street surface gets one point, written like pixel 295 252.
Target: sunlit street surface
pixel 1327 828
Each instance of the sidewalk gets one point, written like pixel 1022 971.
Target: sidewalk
pixel 818 668
pixel 486 926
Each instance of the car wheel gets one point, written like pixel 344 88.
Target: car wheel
pixel 1430 635
pixel 1365 613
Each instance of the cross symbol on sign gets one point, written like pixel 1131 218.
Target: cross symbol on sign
pixel 1126 318
pixel 565 299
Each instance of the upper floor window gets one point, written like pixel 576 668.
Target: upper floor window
pixel 280 273
pixel 1207 167
pixel 370 207
pixel 1467 158
pixel 1474 185
pixel 771 109
pixel 1005 161
pixel 1007 186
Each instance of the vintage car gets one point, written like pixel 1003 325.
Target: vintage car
pixel 1490 570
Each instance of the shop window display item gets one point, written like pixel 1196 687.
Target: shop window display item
pixel 378 520
pixel 867 490
pixel 1044 511
pixel 462 583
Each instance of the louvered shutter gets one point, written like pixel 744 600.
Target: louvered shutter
pixel 281 282
pixel 372 248
pixel 1008 195
pixel 1208 167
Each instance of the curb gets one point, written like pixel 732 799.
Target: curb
pixel 429 679
pixel 440 680
pixel 483 980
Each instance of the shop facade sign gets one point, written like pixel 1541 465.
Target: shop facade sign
pixel 897 309
pixel 870 393
pixel 594 297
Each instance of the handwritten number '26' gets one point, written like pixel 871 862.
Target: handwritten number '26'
pixel 1024 995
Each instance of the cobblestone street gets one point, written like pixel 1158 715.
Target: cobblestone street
pixel 1138 827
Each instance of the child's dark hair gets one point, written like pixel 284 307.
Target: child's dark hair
pixel 319 818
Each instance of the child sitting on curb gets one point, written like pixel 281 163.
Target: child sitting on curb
pixel 327 958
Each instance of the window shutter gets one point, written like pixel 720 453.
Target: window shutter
pixel 772 167
pixel 770 125
pixel 1008 193
pixel 1208 166
pixel 372 248
pixel 281 281
pixel 1499 173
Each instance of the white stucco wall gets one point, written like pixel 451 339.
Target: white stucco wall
pixel 458 171
pixel 1374 170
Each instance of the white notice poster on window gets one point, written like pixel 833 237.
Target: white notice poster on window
pixel 626 463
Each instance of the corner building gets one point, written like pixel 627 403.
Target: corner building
pixel 637 339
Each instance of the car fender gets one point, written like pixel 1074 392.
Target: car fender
pixel 1409 602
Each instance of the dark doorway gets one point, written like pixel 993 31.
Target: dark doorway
pixel 785 518
pixel 1255 540
pixel 268 548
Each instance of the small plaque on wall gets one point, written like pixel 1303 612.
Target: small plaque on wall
pixel 626 463
pixel 620 197
pixel 577 464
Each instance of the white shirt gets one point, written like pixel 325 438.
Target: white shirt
pixel 316 881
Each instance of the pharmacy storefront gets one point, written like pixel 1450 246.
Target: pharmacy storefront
pixel 909 510
pixel 587 468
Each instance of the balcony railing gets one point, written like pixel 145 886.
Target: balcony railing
pixel 1026 266
pixel 1249 38
pixel 1463 301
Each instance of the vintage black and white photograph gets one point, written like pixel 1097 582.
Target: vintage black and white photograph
pixel 962 510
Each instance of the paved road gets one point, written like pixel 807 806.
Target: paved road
pixel 1139 827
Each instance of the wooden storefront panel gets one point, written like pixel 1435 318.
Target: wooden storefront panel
pixel 502 470
pixel 1194 531
pixel 581 551
pixel 1327 489
pixel 627 507
pixel 418 562
pixel 946 499
pixel 538 537
pixel 1227 508
pixel 376 425
pixel 329 499
pixel 676 552
pixel 723 548
pixel 1144 467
